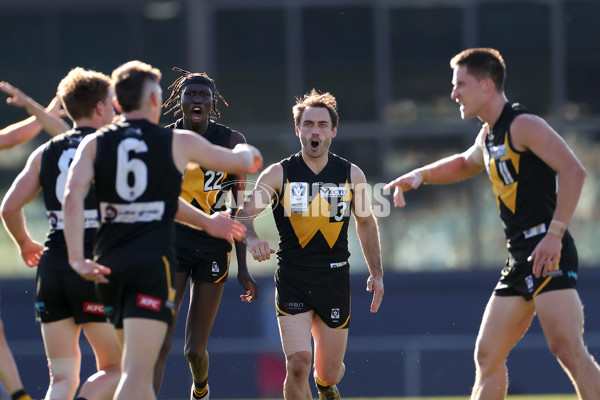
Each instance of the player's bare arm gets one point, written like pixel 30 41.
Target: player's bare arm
pixel 368 235
pixel 244 277
pixel 217 225
pixel 79 180
pixel 268 186
pixel 47 118
pixel 190 147
pixel 447 170
pixel 532 133
pixel 23 190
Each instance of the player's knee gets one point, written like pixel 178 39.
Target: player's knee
pixel 64 377
pixel 486 356
pixel 196 356
pixel 298 366
pixel 567 351
pixel 329 377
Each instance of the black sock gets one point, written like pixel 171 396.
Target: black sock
pixel 321 388
pixel 20 395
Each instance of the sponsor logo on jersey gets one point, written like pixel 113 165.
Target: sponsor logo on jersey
pixel 338 264
pixel 132 212
pixel 93 308
pixel 335 313
pixel 296 305
pixel 498 152
pixel 149 302
pixel 333 191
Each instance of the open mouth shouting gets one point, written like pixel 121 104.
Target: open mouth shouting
pixel 196 114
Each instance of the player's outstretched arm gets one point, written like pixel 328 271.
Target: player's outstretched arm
pixel 368 235
pixel 191 147
pixel 23 131
pixel 218 225
pixel 447 170
pixel 24 189
pixel 267 187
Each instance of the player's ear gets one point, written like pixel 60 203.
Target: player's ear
pixel 297 130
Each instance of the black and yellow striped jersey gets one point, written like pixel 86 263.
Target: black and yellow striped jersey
pixel 313 213
pixel 207 190
pixel 524 186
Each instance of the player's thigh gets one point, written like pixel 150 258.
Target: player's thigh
pixel 205 298
pixel 505 320
pixel 105 343
pixel 61 338
pixel 143 340
pixel 561 315
pixel 330 345
pixel 295 332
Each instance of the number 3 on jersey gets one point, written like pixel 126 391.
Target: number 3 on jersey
pixel 132 173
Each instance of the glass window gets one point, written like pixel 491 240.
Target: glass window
pixel 251 64
pixel 423 41
pixel 583 57
pixel 521 32
pixel 338 58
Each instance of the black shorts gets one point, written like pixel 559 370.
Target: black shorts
pixel 138 289
pixel 204 267
pixel 517 277
pixel 60 293
pixel 330 300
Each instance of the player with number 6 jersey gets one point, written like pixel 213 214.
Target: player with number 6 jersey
pixel 136 167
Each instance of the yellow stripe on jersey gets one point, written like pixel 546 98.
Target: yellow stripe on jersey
pixel 317 218
pixel 505 192
pixel 195 184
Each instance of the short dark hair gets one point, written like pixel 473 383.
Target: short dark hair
pixel 316 99
pixel 130 79
pixel 483 62
pixel 81 90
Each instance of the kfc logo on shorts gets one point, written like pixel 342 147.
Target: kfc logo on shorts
pixel 93 308
pixel 149 302
pixel 335 313
pixel 215 267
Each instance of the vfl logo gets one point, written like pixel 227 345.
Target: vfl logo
pixel 53 219
pixel 215 267
pixel 529 282
pixel 298 189
pixel 151 303
pixel 93 308
pixel 335 313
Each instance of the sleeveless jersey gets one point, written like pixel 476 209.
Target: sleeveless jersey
pixel 55 162
pixel 206 190
pixel 313 213
pixel 137 185
pixel 524 186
